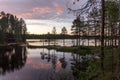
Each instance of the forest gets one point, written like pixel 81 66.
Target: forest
pixel 12 29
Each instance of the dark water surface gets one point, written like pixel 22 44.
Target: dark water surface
pixel 20 63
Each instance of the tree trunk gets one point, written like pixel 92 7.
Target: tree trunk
pixel 88 36
pixel 95 33
pixel 102 33
pixel 63 42
pixel 79 37
pixel 118 66
pixel 48 41
pixel 108 37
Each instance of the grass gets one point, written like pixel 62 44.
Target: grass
pixel 110 65
pixel 94 71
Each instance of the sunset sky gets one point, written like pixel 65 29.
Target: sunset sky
pixel 40 15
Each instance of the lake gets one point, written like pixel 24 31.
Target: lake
pixel 68 42
pixel 21 63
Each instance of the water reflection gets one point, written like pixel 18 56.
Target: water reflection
pixel 53 58
pixel 43 64
pixel 68 42
pixel 60 69
pixel 79 64
pixel 63 61
pixel 12 58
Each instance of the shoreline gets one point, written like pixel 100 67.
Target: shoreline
pixel 74 49
pixel 13 44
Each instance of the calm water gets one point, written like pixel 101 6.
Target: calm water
pixel 68 42
pixel 20 63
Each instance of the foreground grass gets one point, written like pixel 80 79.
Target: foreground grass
pixel 93 71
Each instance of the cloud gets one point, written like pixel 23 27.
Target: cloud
pixel 36 22
pixel 58 9
pixel 36 11
pixel 25 15
pixel 42 10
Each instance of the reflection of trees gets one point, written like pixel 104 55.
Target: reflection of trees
pixel 48 58
pixel 84 67
pixel 12 59
pixel 63 61
pixel 75 65
pixel 43 54
pixel 53 59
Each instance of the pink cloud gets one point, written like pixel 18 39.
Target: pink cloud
pixel 42 10
pixel 58 9
pixel 25 15
pixel 36 11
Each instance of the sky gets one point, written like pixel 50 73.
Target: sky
pixel 40 15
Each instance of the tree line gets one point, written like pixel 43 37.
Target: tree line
pixel 87 24
pixel 12 29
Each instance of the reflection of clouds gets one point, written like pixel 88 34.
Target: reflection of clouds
pixel 16 77
pixel 38 65
pixel 58 66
